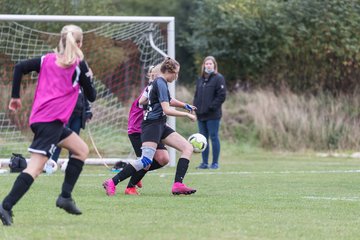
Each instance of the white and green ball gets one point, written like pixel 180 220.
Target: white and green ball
pixel 198 141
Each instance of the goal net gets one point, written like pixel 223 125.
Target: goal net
pixel 118 52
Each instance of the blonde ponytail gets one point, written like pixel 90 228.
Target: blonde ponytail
pixel 68 51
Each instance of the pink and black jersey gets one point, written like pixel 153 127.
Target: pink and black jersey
pixel 56 94
pixel 57 88
pixel 136 114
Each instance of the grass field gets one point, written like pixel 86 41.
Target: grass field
pixel 253 196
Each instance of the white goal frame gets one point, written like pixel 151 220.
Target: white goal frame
pixel 170 21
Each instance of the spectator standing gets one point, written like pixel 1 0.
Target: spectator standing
pixel 210 94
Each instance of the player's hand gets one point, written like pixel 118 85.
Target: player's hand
pixel 192 117
pixel 15 104
pixel 189 107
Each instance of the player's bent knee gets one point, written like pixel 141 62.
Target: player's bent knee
pixel 188 149
pixel 82 153
pixel 162 159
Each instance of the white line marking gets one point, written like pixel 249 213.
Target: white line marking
pixel 205 172
pixel 352 199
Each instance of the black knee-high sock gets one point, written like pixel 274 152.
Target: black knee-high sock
pixel 20 187
pixel 128 171
pixel 181 169
pixel 72 174
pixel 136 177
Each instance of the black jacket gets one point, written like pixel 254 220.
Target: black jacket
pixel 210 94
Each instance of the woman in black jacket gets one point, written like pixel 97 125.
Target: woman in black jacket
pixel 209 96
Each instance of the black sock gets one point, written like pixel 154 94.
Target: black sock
pixel 181 169
pixel 20 187
pixel 136 177
pixel 72 174
pixel 154 165
pixel 128 171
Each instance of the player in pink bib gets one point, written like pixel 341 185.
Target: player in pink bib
pixel 60 75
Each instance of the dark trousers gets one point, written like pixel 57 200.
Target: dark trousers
pixel 210 129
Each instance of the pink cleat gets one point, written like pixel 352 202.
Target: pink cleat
pixel 139 184
pixel 110 187
pixel 131 191
pixel 180 188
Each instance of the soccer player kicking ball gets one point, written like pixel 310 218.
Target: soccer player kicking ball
pixel 60 76
pixel 155 130
pixel 136 115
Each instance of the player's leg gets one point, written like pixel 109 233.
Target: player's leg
pixel 148 151
pixel 46 136
pixel 21 186
pixel 150 136
pixel 135 180
pixel 178 142
pixel 79 152
pixel 161 158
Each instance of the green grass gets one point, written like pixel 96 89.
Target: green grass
pixel 255 195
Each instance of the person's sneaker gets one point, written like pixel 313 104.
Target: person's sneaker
pixel 68 205
pixel 131 191
pixel 110 187
pixel 203 166
pixel 6 216
pixel 214 166
pixel 180 188
pixel 139 184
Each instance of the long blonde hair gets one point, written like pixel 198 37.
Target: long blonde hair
pixel 68 50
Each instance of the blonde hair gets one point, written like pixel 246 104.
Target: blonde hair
pixel 68 50
pixel 153 72
pixel 203 65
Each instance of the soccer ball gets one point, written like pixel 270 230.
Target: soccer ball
pixel 50 166
pixel 198 141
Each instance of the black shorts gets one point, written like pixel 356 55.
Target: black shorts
pixel 135 139
pixel 47 136
pixel 155 130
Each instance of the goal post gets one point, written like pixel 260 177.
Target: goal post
pixel 118 49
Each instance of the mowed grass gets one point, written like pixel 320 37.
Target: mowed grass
pixel 253 196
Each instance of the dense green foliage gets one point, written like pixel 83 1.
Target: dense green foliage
pixel 307 45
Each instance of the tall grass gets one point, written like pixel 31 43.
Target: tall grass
pixel 287 121
pixel 296 122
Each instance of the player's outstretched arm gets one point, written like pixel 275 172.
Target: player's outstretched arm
pixel 169 111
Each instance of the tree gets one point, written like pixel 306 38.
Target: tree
pixel 308 45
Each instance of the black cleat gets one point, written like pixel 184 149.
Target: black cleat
pixel 68 205
pixel 6 216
